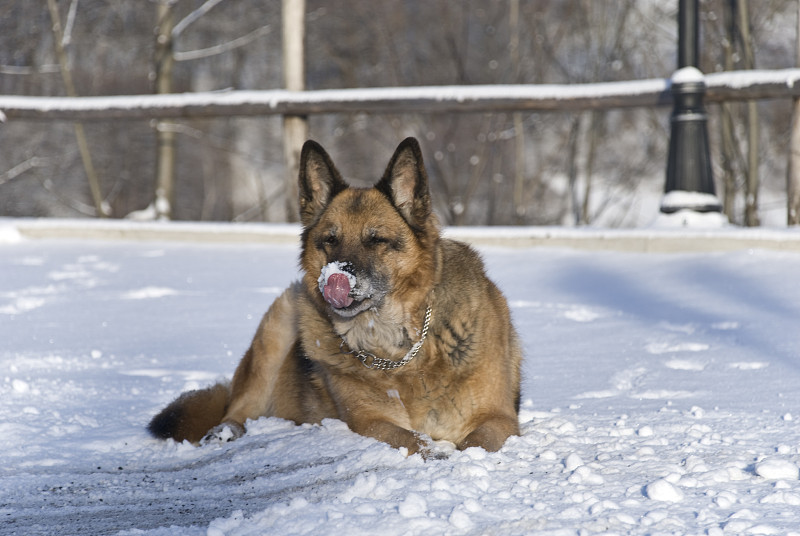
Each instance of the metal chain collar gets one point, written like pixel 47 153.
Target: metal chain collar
pixel 371 361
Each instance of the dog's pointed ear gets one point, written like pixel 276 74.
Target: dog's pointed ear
pixel 319 182
pixel 405 183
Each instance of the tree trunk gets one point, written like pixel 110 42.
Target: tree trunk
pixel 752 185
pixel 295 128
pixel 727 136
pixel 100 208
pixel 519 133
pixel 165 132
pixel 793 175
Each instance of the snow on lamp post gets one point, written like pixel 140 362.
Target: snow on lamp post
pixel 689 183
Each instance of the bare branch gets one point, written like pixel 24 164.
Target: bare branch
pixel 192 17
pixel 27 69
pixel 67 37
pixel 222 48
pixel 19 169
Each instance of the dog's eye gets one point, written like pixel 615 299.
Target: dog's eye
pixel 330 240
pixel 375 239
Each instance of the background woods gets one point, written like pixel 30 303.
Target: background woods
pixel 599 167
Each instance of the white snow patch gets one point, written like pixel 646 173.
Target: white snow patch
pixel 683 212
pixel 749 365
pixel 147 293
pixel 685 364
pixel 9 234
pixel 22 304
pixel 667 348
pixel 663 394
pixel 20 386
pixel 582 314
pixel 687 75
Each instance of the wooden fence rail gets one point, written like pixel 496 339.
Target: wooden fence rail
pixel 726 86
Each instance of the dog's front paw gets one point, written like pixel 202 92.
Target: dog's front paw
pixel 436 450
pixel 223 433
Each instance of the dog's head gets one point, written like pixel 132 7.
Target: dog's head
pixel 365 247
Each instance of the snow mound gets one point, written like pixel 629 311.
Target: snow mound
pixel 777 469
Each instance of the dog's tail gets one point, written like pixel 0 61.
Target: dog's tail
pixel 191 415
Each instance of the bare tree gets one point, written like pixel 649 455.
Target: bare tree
pixel 59 37
pixel 165 132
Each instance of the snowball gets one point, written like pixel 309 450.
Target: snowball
pixel 661 490
pixel 584 475
pixel 572 462
pixel 776 469
pixel 460 519
pixel 413 506
pixel 697 412
pixel 20 386
pixel 548 455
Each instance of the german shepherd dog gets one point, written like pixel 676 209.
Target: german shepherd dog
pixel 393 329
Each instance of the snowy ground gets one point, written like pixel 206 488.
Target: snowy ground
pixel 661 396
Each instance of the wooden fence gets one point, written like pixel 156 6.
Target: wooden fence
pixel 720 87
pixel 726 86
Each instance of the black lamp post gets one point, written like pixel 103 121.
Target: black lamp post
pixel 688 163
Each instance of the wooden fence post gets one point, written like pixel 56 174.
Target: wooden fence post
pixel 295 127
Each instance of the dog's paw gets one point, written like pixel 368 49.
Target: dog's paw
pixel 437 450
pixel 223 433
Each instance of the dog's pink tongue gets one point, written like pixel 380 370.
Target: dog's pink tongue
pixel 337 291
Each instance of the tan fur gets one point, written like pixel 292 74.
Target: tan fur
pixel 463 385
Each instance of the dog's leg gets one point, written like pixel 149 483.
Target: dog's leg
pixel 390 433
pixel 253 386
pixel 491 433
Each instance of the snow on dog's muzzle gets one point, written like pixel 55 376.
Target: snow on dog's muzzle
pixel 336 283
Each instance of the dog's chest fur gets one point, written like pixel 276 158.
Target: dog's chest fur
pixel 421 395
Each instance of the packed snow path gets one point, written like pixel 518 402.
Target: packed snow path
pixel 661 395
